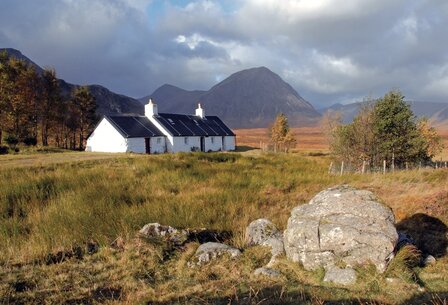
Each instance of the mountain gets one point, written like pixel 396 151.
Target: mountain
pixel 437 113
pixel 175 99
pixel 247 99
pixel 107 101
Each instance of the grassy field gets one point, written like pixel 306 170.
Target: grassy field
pixel 55 204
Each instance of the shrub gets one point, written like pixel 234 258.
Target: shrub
pixel 4 150
pixel 30 141
pixel 11 140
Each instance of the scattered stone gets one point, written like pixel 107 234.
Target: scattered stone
pixel 92 247
pixel 429 260
pixel 263 232
pixel 211 251
pixel 341 223
pixel 340 276
pixel 118 243
pixel 156 230
pixel 269 272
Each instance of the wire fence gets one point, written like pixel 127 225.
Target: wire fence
pixel 342 167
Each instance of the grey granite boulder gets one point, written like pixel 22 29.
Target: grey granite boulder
pixel 263 232
pixel 340 276
pixel 211 251
pixel 341 224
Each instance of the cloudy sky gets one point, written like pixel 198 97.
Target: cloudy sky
pixel 328 50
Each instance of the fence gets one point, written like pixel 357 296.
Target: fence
pixel 342 167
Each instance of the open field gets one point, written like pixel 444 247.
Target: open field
pixel 309 139
pixel 50 211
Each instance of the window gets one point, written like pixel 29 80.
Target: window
pixel 159 140
pixel 186 140
pixel 212 139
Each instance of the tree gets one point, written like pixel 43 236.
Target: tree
pixel 281 135
pixel 432 141
pixel 50 105
pixel 385 130
pixel 83 109
pixel 395 129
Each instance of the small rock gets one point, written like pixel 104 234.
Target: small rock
pixel 156 230
pixel 211 251
pixel 429 260
pixel 92 247
pixel 263 232
pixel 340 276
pixel 269 272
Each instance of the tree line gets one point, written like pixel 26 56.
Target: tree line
pixel 384 130
pixel 34 110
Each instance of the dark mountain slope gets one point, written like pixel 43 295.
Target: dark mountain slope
pixel 107 101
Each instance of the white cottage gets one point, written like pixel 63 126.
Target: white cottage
pixel 126 134
pixel 161 132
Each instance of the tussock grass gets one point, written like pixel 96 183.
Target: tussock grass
pixel 57 207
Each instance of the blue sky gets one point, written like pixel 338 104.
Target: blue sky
pixel 330 51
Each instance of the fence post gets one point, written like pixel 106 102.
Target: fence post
pixel 420 165
pixel 384 167
pixel 330 168
pixel 445 164
pixel 363 167
pixel 406 165
pixel 342 168
pixel 393 161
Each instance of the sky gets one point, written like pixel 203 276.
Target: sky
pixel 330 51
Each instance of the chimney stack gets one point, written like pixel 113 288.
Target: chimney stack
pixel 200 112
pixel 151 109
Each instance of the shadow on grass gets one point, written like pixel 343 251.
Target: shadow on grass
pixel 278 295
pixel 245 148
pixel 429 233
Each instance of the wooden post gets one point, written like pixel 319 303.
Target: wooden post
pixel 393 161
pixel 330 168
pixel 420 165
pixel 363 167
pixel 384 167
pixel 446 164
pixel 406 165
pixel 342 168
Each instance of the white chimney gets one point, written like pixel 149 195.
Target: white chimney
pixel 151 109
pixel 200 112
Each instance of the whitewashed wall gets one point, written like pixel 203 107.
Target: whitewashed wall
pixel 213 143
pixel 229 143
pixel 178 144
pixel 105 138
pixel 137 145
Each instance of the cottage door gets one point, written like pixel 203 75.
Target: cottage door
pixel 147 145
pixel 202 143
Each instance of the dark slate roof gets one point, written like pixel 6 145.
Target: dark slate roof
pixel 191 125
pixel 134 126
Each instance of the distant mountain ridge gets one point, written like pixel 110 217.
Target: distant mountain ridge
pixel 107 101
pixel 437 113
pixel 246 99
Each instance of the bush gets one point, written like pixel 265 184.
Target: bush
pixel 30 141
pixel 4 150
pixel 11 140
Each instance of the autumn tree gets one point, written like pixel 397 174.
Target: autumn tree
pixel 83 109
pixel 51 102
pixel 281 134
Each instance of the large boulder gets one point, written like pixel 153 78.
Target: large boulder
pixel 264 233
pixel 341 224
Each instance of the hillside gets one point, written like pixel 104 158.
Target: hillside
pixel 107 101
pixel 246 99
pixel 437 113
